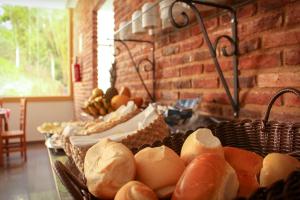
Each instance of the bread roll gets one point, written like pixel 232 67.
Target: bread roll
pixel 107 167
pixel 207 177
pixel 247 165
pixel 135 190
pixel 160 168
pixel 277 166
pixel 199 142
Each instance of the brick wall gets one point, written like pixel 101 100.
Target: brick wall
pixel 269 33
pixel 85 21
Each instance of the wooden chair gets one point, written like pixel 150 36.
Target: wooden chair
pixel 9 143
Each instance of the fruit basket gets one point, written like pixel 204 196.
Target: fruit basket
pixel 260 136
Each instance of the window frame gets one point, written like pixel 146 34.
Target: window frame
pixel 54 98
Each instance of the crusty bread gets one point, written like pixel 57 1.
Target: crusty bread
pixel 107 167
pixel 160 168
pixel 199 142
pixel 135 190
pixel 247 165
pixel 207 177
pixel 277 166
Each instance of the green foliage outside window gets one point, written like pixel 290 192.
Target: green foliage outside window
pixel 34 52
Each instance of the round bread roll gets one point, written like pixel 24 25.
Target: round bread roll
pixel 135 190
pixel 207 177
pixel 199 142
pixel 247 165
pixel 160 168
pixel 277 166
pixel 108 166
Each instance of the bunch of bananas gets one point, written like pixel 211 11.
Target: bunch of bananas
pixel 98 103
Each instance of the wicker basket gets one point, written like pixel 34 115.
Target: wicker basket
pixel 260 136
pixel 156 131
pixel 103 126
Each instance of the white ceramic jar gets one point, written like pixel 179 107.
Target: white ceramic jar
pixel 149 15
pixel 136 20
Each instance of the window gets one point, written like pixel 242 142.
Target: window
pixel 34 52
pixel 105 35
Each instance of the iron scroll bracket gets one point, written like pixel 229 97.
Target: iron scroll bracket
pixel 138 65
pixel 233 40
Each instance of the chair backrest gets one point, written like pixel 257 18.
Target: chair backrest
pixel 1 103
pixel 23 112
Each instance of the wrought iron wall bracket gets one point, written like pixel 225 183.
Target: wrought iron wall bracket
pixel 137 65
pixel 234 100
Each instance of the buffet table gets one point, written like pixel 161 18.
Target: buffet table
pixel 55 155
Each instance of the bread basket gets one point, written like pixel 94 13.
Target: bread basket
pixel 156 131
pixel 101 126
pixel 260 136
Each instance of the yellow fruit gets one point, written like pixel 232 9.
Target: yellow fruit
pixel 138 101
pixel 97 92
pixel 118 101
pixel 125 91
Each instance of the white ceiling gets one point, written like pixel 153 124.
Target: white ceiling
pixel 58 4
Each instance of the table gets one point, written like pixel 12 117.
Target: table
pixel 62 191
pixel 4 114
pixel 56 154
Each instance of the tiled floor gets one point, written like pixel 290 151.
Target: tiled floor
pixel 28 181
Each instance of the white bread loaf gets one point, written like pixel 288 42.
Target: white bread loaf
pixel 107 167
pixel 207 177
pixel 277 166
pixel 159 168
pixel 247 165
pixel 199 142
pixel 135 190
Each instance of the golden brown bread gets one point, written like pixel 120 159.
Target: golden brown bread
pixel 199 142
pixel 135 190
pixel 108 166
pixel 247 165
pixel 207 177
pixel 160 168
pixel 277 166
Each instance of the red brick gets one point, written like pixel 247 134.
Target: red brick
pixel 268 5
pixel 259 97
pixel 244 81
pixel 181 84
pixel 260 24
pixel 291 100
pixel 164 84
pixel 220 98
pixel 260 61
pixel 162 41
pixel 212 109
pixel 226 65
pixel 194 43
pixel 170 50
pixel 206 82
pixel 211 23
pixel 287 79
pixel 189 95
pixel 167 73
pixel 281 39
pixel 249 46
pixel 195 30
pixel 293 14
pixel 242 12
pixel 167 95
pixel 292 57
pixel 251 113
pixel 179 36
pixel 246 11
pixel 163 63
pixel 202 55
pixel 191 70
